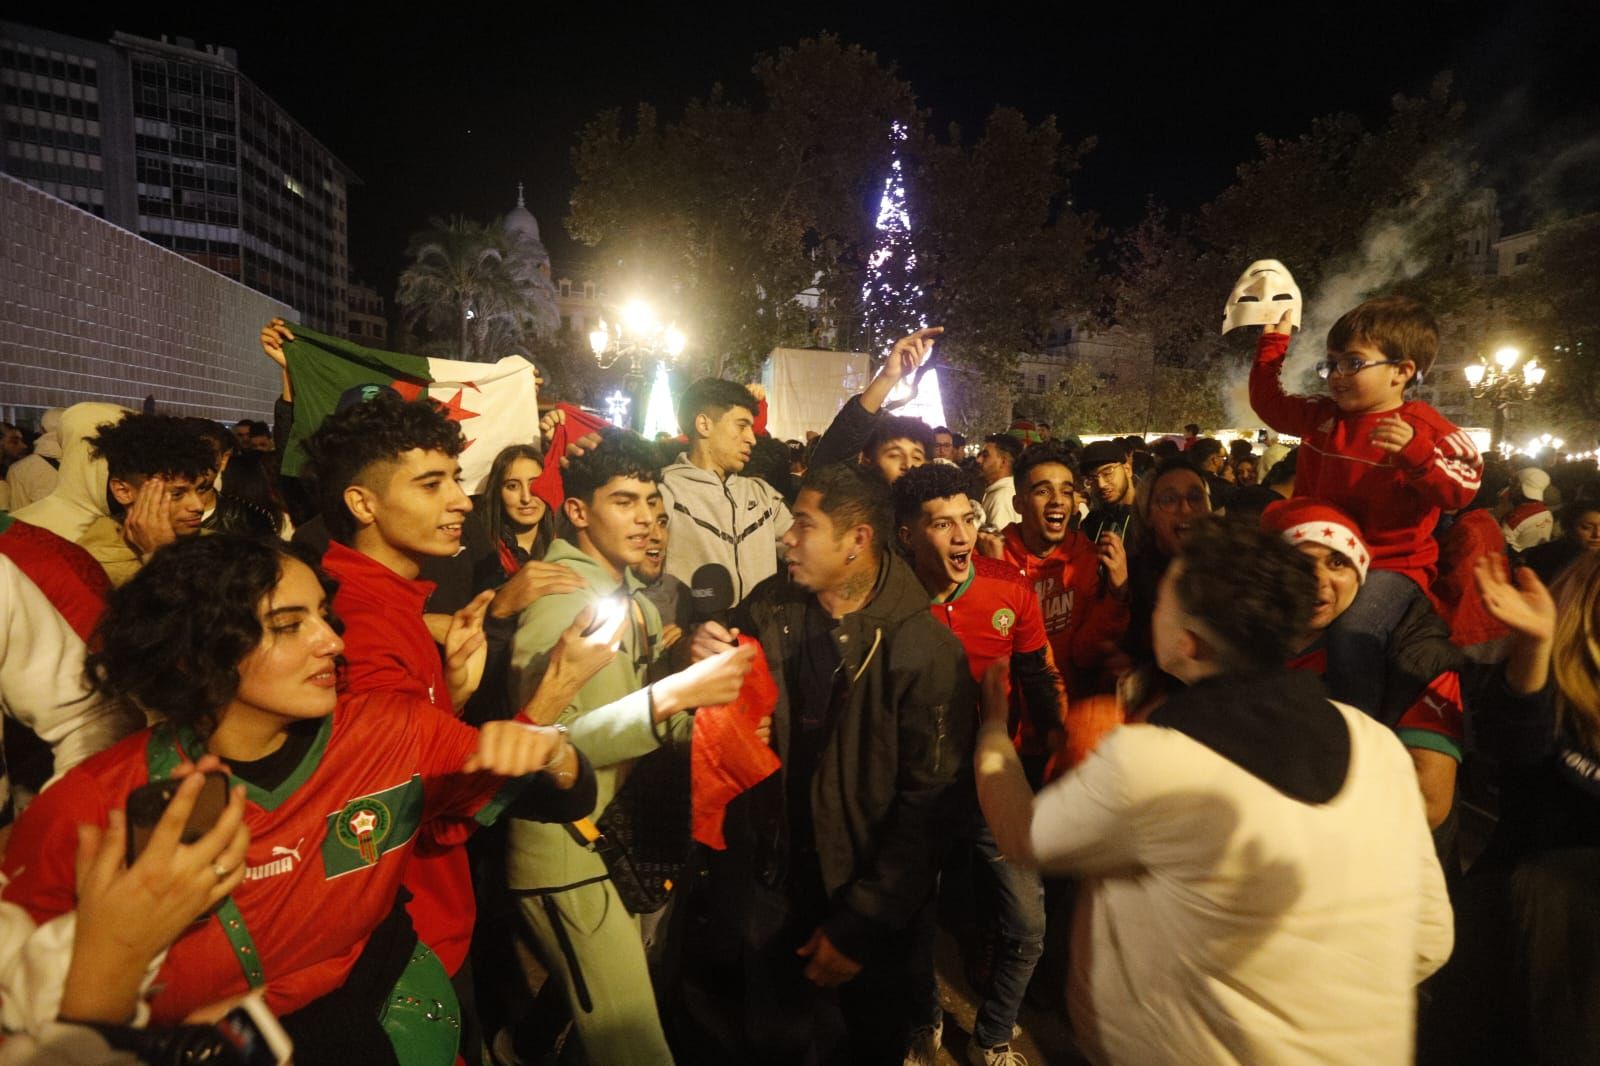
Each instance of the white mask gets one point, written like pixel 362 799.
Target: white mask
pixel 1261 295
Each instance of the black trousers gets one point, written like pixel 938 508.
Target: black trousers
pixel 743 995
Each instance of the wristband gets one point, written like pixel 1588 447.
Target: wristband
pixel 563 776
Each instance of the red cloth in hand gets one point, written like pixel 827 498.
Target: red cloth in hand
pixel 579 423
pixel 727 757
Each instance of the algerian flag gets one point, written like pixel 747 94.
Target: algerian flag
pixel 495 404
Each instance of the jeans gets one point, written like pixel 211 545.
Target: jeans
pixel 1358 640
pixel 1019 914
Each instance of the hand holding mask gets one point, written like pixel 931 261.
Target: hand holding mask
pixel 1261 296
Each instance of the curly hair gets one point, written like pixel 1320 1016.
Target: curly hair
pixel 171 639
pixel 934 481
pixel 1254 590
pixel 619 454
pixel 1037 455
pixel 214 433
pixel 349 446
pixel 141 446
pixel 898 427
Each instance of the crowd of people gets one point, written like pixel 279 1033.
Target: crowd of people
pixel 691 750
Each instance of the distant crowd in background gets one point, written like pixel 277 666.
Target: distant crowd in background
pixel 1259 750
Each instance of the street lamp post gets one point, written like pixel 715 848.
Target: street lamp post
pixel 638 335
pixel 1505 380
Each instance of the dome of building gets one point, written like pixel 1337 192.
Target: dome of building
pixel 520 220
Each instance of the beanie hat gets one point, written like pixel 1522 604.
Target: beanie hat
pixel 1303 520
pixel 1531 482
pixel 1100 453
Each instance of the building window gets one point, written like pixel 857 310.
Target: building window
pixel 1523 258
pixel 566 287
pixel 588 290
pixel 1039 383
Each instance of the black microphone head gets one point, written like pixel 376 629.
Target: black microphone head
pixel 711 591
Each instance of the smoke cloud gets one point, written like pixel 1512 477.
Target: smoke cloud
pixel 1392 249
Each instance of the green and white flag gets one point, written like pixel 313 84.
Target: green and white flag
pixel 495 404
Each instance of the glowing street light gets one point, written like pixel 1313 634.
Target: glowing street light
pixel 1501 382
pixel 636 332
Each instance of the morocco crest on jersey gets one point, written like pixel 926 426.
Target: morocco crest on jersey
pixel 364 828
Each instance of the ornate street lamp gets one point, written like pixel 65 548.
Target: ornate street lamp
pixel 638 335
pixel 1505 380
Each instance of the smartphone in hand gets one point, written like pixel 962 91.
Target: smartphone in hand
pixel 253 1032
pixel 148 802
pixel 606 613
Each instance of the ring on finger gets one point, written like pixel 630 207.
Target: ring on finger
pixel 221 871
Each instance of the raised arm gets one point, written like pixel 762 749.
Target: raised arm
pixel 847 435
pixel 1284 413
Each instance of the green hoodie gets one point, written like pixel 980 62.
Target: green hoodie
pixel 610 718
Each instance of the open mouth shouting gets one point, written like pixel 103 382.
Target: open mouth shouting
pixel 1054 521
pixel 959 562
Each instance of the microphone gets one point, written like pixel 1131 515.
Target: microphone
pixel 711 594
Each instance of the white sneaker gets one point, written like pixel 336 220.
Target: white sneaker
pixel 999 1055
pixel 925 1042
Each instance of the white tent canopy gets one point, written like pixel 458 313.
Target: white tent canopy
pixel 806 387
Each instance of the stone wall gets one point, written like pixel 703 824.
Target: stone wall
pixel 89 311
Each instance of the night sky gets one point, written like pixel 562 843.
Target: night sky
pixel 445 113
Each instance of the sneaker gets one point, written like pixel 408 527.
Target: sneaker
pixel 924 1049
pixel 999 1055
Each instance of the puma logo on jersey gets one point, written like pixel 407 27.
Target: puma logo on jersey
pixel 283 860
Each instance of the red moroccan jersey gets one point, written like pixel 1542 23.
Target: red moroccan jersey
pixel 328 848
pixel 1395 498
pixel 993 613
pixel 1078 619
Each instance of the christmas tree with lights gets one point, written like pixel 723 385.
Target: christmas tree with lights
pixel 891 297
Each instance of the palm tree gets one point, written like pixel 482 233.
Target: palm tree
pixel 460 281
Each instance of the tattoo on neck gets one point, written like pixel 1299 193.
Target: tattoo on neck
pixel 856 585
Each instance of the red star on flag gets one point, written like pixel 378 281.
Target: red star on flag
pixel 1299 534
pixel 453 409
pixel 1326 532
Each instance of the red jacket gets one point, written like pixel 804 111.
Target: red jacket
pixel 388 649
pixel 1474 534
pixel 1396 498
pixel 1078 619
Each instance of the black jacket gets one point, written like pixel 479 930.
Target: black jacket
pixel 897 765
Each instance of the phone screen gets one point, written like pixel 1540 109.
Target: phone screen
pixel 606 613
pixel 241 1030
pixel 148 802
